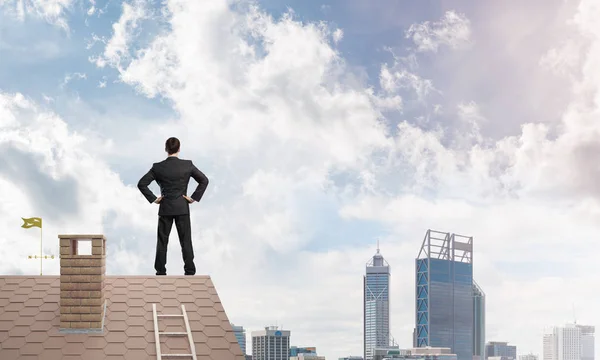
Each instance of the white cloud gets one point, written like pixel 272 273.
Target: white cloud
pixel 116 49
pixel 53 11
pixel 401 76
pixel 73 76
pixel 453 30
pixel 468 131
pixel 393 79
pixel 564 59
pixel 47 99
pixel 338 34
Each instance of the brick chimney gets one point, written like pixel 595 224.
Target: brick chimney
pixel 82 301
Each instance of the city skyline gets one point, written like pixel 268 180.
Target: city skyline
pixel 376 318
pixel 324 127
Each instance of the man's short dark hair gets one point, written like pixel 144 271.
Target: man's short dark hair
pixel 172 145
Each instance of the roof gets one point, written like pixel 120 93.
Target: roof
pixel 30 319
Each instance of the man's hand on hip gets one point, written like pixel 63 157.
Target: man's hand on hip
pixel 158 200
pixel 189 199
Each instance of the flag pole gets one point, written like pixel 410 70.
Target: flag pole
pixel 37 222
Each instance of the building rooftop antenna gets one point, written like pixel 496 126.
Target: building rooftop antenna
pixel 378 246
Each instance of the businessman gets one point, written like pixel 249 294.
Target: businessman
pixel 172 176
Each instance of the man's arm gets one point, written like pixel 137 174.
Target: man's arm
pixel 143 185
pixel 202 183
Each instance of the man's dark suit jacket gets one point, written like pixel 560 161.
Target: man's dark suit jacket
pixel 173 175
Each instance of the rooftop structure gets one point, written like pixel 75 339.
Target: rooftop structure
pixel 84 314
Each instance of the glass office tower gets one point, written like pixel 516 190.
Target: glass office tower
pixel 376 305
pixel 444 293
pixel 478 322
pixel 240 335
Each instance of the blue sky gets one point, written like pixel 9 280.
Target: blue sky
pixel 322 132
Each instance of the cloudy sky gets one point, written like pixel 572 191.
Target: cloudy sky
pixel 323 127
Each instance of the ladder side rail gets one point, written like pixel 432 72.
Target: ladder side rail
pixel 156 337
pixel 189 331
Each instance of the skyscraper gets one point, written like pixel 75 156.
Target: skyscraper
pixel 271 344
pixel 240 335
pixel 478 322
pixel 444 293
pixel 376 305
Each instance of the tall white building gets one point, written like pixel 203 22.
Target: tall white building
pixel 271 344
pixel 571 342
pixel 376 290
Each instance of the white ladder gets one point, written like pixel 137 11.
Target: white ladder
pixel 188 332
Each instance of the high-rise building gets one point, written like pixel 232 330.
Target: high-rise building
pixel 444 293
pixel 351 358
pixel 240 335
pixel 376 286
pixel 478 322
pixel 565 343
pixel 500 349
pixel 587 342
pixel 271 344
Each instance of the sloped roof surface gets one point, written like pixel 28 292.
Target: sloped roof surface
pixel 30 318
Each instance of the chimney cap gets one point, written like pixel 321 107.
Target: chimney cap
pixel 82 236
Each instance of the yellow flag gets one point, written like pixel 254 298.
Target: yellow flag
pixel 31 222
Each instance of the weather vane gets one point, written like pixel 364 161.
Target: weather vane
pixel 36 222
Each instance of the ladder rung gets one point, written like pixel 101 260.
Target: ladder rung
pixel 176 333
pixel 177 355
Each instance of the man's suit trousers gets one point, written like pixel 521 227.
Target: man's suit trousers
pixel 184 230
